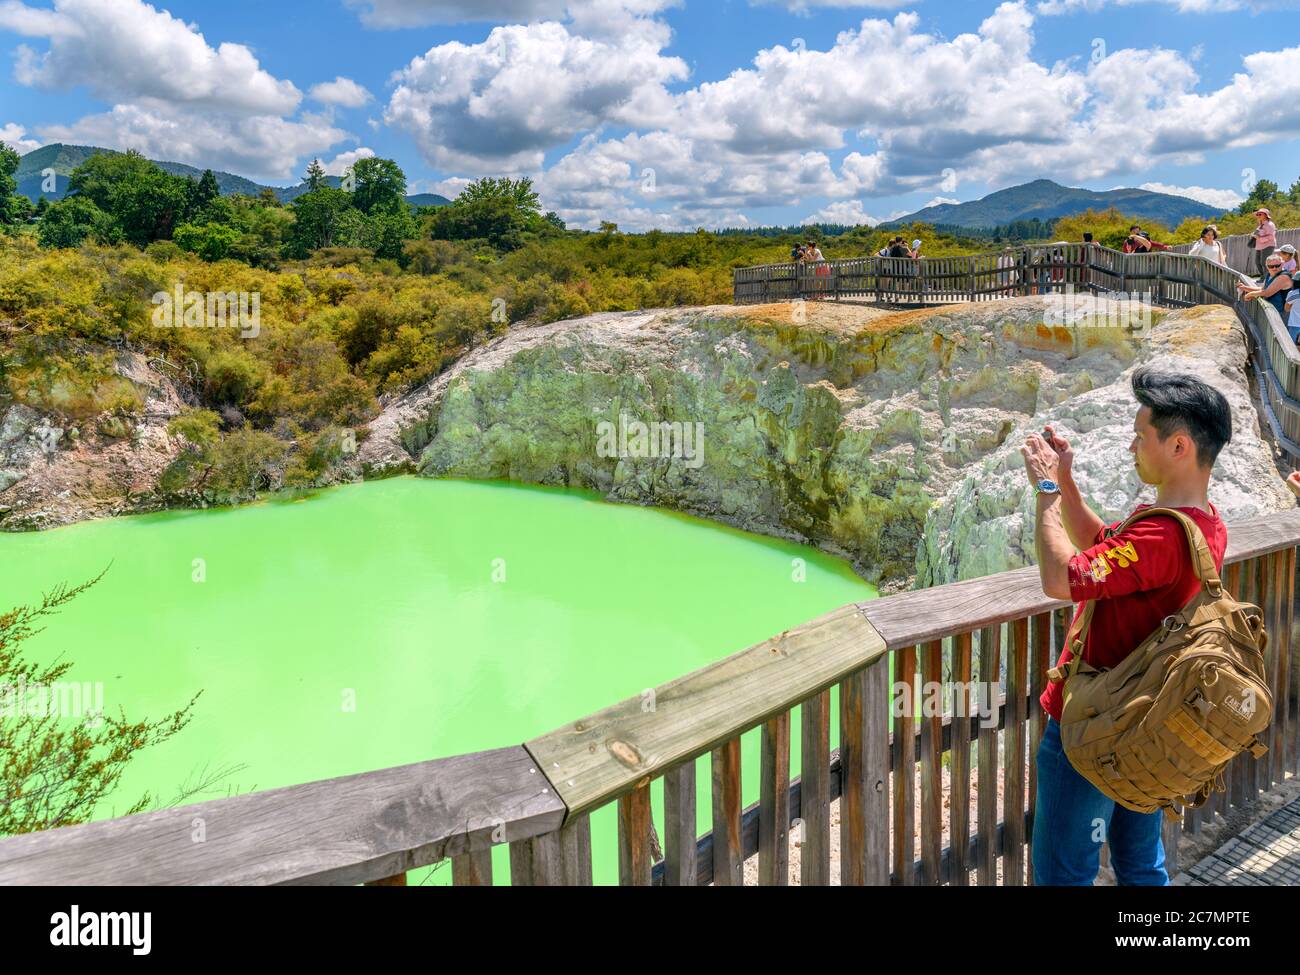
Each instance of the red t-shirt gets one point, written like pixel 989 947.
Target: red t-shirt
pixel 1138 578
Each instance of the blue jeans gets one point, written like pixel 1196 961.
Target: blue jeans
pixel 1071 819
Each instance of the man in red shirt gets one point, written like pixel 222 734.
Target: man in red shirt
pixel 1137 577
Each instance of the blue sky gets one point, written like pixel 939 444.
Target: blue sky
pixel 678 113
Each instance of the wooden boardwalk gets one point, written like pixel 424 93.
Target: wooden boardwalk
pixel 1266 854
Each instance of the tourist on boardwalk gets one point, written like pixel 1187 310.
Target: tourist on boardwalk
pixel 1263 238
pixel 1287 252
pixel 1137 578
pixel 1274 289
pixel 1137 242
pixel 1007 277
pixel 820 268
pixel 1209 247
pixel 915 254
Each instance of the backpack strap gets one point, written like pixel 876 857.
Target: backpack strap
pixel 1202 560
pixel 1202 563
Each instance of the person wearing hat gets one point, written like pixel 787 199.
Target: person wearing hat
pixel 1209 247
pixel 1288 258
pixel 1265 238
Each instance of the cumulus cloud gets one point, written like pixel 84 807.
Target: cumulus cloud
pixel 1056 7
pixel 906 110
pixel 343 92
pixel 502 103
pixel 341 163
pixel 806 6
pixel 15 136
pixel 593 16
pixel 843 212
pixel 1219 199
pixel 126 49
pixel 173 96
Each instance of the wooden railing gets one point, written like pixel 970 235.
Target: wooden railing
pixel 1161 278
pixel 885 770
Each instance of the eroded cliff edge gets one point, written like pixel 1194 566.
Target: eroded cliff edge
pixel 890 439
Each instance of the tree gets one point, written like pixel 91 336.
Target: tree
pixel 380 186
pixel 1263 193
pixel 497 209
pixel 315 177
pixel 143 201
pixel 517 193
pixel 53 772
pixel 205 191
pixel 319 220
pixel 13 208
pixel 211 241
pixel 71 220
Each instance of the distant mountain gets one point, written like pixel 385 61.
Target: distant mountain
pixel 1045 200
pixel 33 172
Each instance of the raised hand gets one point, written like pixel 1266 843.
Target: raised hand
pixel 1041 462
pixel 1064 453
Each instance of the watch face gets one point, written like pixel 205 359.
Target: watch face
pixel 1048 487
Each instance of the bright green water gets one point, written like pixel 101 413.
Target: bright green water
pixel 402 620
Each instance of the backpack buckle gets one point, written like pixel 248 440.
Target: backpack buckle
pixel 1108 767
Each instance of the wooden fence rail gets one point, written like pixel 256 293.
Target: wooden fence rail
pixel 999 630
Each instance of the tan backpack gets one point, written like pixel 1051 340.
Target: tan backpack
pixel 1165 723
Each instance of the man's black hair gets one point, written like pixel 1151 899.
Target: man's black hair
pixel 1181 402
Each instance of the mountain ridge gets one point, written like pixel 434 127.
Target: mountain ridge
pixel 1046 200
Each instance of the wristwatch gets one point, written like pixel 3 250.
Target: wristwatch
pixel 1047 487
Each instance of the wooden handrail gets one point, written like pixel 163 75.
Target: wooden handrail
pixel 349 830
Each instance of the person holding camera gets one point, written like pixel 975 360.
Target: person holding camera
pixel 1263 239
pixel 1137 242
pixel 1136 577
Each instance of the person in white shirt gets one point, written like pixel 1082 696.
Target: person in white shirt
pixel 1209 247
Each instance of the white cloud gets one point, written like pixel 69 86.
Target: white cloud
pixel 844 212
pixel 1219 199
pixel 806 6
pixel 502 103
pixel 591 16
pixel 343 92
pixel 171 94
pixel 940 201
pixel 341 163
pixel 450 187
pixel 15 136
pixel 126 50
pixel 1055 7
